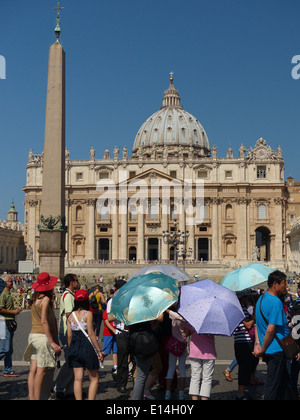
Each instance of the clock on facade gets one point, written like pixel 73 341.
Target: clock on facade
pixel 261 152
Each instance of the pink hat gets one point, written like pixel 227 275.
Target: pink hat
pixel 44 282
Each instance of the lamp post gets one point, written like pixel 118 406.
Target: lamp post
pixel 175 238
pixel 185 253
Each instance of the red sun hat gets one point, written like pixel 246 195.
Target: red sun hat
pixel 81 295
pixel 44 283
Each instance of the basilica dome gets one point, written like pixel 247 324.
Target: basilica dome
pixel 172 126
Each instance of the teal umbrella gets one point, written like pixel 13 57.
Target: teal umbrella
pixel 144 298
pixel 246 277
pixel 169 270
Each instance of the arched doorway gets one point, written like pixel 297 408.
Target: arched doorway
pixel 103 249
pixel 263 241
pixel 153 249
pixel 132 253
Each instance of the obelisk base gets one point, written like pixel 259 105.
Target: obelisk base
pixel 52 253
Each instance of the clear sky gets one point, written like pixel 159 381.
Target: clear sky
pixel 232 64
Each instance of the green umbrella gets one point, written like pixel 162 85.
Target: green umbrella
pixel 144 298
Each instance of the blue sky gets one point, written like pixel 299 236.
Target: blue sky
pixel 231 61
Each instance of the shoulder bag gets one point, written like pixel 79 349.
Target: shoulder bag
pixel 175 346
pixel 288 344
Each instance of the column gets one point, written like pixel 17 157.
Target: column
pixel 115 233
pixel 124 229
pixel 242 251
pixel 164 227
pixel 191 241
pixel 90 255
pixel 215 228
pixel 278 229
pixel 141 234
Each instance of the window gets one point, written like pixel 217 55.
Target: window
pixel 132 229
pixel 173 212
pixel 228 211
pixel 79 176
pixel 202 174
pixel 104 211
pixel 132 212
pixel 153 211
pixel 132 174
pixel 203 212
pixel 262 211
pixel 103 175
pixel 79 213
pixel 228 174
pixel 173 174
pixel 261 172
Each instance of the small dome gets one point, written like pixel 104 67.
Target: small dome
pixel 172 126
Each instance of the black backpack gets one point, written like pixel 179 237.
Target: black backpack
pixel 143 343
pixel 93 303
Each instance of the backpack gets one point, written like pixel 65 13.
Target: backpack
pixel 93 303
pixel 143 342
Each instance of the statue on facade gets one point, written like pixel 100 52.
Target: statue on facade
pixel 242 151
pixel 29 253
pixel 125 152
pixel 30 156
pixel 92 153
pixel 116 152
pixel 255 253
pixel 214 151
pixel 229 153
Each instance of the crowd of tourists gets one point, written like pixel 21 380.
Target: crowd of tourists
pixel 170 341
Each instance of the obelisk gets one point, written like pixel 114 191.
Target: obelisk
pixel 52 224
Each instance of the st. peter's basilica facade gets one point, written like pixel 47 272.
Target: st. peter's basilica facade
pixel 240 216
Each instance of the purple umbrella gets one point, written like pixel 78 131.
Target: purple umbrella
pixel 210 308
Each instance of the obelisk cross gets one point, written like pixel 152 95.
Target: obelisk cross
pixel 57 29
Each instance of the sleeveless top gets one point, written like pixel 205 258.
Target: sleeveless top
pixel 75 326
pixel 36 313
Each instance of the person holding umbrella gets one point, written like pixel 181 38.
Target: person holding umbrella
pixel 144 352
pixel 143 298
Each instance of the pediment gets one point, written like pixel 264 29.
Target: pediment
pixel 151 177
pixel 104 168
pixel 203 167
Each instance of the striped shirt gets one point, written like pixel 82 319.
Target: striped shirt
pixel 241 334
